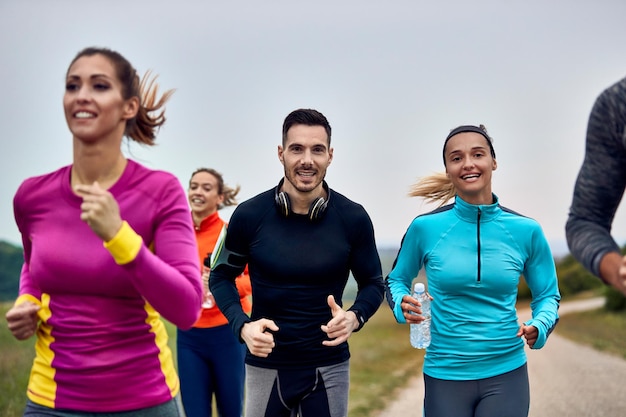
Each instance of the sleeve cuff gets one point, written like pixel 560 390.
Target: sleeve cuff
pixel 125 245
pixel 360 319
pixel 27 297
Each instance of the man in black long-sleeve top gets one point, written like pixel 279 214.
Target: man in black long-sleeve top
pixel 300 240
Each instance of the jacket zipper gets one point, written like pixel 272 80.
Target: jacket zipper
pixel 478 241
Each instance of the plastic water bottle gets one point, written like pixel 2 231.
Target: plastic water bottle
pixel 420 333
pixel 209 301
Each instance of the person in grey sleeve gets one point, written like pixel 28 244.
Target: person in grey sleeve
pixel 599 189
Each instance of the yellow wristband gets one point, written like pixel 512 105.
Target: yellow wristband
pixel 125 245
pixel 27 297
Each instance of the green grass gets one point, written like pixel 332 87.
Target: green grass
pixel 600 329
pixel 382 360
pixel 15 362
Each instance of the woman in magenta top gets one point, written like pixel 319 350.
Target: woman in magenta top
pixel 108 249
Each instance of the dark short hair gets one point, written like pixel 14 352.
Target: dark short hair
pixel 482 130
pixel 307 117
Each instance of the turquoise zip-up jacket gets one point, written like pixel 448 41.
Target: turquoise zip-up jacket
pixel 474 256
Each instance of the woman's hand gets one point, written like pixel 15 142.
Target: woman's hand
pixel 99 210
pixel 23 320
pixel 530 333
pixel 411 309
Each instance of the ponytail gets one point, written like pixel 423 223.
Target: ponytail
pixel 151 114
pixel 433 188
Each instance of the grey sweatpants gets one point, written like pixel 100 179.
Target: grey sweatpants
pixel 312 392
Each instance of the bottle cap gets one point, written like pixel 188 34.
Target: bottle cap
pixel 419 287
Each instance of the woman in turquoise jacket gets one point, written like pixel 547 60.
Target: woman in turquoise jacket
pixel 474 252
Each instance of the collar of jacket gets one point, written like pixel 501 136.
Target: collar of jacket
pixel 469 212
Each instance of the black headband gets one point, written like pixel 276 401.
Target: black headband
pixel 468 128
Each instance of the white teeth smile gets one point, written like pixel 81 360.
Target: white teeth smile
pixel 197 201
pixel 466 177
pixel 84 115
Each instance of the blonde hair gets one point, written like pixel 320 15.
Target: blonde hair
pixel 434 188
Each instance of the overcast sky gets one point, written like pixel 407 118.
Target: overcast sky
pixel 392 77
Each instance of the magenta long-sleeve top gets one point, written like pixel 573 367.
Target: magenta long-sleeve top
pixel 101 344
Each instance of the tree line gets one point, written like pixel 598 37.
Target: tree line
pixel 11 260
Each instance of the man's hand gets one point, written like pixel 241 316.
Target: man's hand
pixel 620 283
pixel 613 270
pixel 260 342
pixel 23 320
pixel 530 333
pixel 341 326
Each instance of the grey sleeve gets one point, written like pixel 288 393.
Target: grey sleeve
pixel 601 181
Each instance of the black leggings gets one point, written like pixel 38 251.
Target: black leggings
pixel 506 395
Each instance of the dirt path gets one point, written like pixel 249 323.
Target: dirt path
pixel 566 379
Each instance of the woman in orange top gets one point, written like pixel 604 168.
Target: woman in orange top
pixel 210 358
